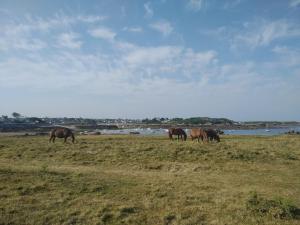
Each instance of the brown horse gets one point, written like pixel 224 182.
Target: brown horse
pixel 212 135
pixel 198 133
pixel 61 132
pixel 177 131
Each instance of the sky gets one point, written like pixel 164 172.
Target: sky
pixel 238 59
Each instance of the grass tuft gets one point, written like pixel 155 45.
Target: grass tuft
pixel 276 207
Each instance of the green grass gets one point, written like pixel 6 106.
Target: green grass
pixel 150 180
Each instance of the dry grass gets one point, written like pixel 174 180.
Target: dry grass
pixel 147 180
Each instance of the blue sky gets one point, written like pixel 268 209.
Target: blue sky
pixel 238 59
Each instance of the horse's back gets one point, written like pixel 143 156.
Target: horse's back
pixel 60 132
pixel 211 133
pixel 178 131
pixel 193 132
pixel 196 132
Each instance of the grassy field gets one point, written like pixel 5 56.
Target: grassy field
pixel 150 180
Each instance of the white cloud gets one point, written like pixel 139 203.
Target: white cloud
pixel 103 32
pixel 133 29
pixel 149 11
pixel 59 20
pixel 17 37
pixel 232 4
pixel 32 45
pixel 156 79
pixel 294 3
pixel 195 5
pixel 26 33
pixel 287 58
pixel 219 32
pixel 90 18
pixel 152 55
pixel 281 49
pixel 262 33
pixel 163 27
pixel 69 40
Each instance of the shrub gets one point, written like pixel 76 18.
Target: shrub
pixel 277 207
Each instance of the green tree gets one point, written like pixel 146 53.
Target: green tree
pixel 16 115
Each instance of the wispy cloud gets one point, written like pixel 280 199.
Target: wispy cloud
pixel 90 18
pixel 57 21
pixel 69 40
pixel 232 4
pixel 152 55
pixel 18 37
pixel 287 57
pixel 103 32
pixel 294 3
pixel 196 5
pixel 132 68
pixel 219 32
pixel 133 29
pixel 163 27
pixel 27 33
pixel 262 33
pixel 148 10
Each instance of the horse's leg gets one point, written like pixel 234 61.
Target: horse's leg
pixel 50 139
pixel 65 139
pixel 209 138
pixel 53 139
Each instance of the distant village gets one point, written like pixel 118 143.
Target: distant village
pixel 17 122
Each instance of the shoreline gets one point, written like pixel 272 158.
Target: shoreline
pixel 150 131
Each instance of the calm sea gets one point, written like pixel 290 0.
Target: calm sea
pixel 149 131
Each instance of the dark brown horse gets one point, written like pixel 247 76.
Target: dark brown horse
pixel 198 133
pixel 177 131
pixel 212 135
pixel 61 132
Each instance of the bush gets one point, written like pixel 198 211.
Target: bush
pixel 277 207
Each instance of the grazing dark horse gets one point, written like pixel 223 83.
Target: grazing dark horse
pixel 177 131
pixel 61 132
pixel 212 135
pixel 198 133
